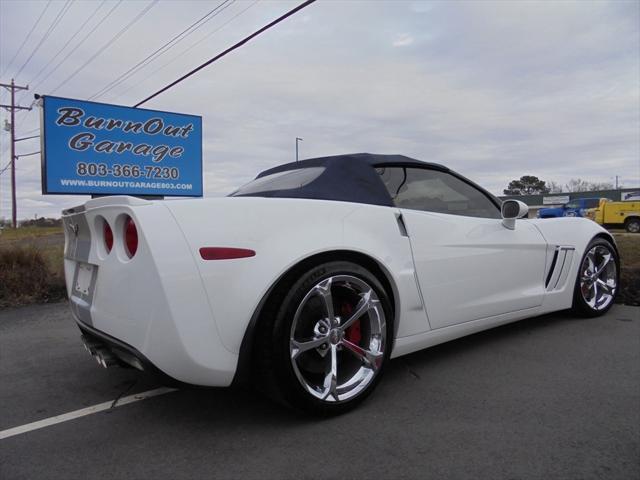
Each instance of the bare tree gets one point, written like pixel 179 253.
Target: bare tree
pixel 579 185
pixel 554 187
pixel 601 186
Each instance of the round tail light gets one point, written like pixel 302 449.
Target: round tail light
pixel 108 236
pixel 130 237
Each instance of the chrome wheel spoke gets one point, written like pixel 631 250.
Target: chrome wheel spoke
pixel 363 306
pixel 606 288
pixel 300 347
pixel 591 265
pixel 323 289
pixel 606 260
pixel 594 287
pixel 369 358
pixel 331 378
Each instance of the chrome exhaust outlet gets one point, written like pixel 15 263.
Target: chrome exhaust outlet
pixel 89 345
pixel 105 358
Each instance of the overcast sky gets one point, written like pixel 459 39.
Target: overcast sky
pixel 494 90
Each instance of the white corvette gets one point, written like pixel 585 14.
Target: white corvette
pixel 307 280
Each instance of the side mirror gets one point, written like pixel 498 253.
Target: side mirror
pixel 512 209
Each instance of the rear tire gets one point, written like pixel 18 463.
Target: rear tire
pixel 598 279
pixel 632 225
pixel 323 342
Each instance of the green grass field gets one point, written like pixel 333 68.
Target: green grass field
pixel 29 233
pixel 31 266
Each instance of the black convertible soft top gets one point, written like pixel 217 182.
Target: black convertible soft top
pixel 348 178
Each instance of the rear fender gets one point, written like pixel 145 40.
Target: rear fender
pixel 283 233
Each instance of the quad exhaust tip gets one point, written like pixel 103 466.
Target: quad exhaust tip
pixel 103 356
pixel 106 357
pixel 89 345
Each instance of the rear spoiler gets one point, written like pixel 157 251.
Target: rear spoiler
pixel 107 201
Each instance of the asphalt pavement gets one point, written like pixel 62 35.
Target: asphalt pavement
pixel 549 397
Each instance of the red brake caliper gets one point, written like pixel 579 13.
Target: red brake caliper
pixel 353 332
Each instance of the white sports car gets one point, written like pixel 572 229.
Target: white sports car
pixel 307 280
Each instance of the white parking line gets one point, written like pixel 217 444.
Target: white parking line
pixel 65 417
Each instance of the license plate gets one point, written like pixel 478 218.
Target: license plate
pixel 83 279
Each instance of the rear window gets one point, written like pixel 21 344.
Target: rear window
pixel 287 180
pixel 592 203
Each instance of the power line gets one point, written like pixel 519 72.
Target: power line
pixel 183 52
pixel 26 112
pixel 164 48
pixel 108 44
pixel 81 42
pixel 15 55
pixel 63 11
pixel 83 24
pixel 5 168
pixel 228 50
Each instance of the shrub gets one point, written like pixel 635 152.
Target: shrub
pixel 26 277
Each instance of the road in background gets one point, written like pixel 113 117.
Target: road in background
pixel 549 397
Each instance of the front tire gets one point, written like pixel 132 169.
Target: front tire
pixel 329 339
pixel 598 278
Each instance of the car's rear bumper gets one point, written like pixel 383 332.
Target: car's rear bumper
pixel 154 301
pixel 112 351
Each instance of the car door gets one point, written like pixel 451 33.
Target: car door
pixel 469 266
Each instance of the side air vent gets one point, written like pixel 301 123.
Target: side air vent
pixel 552 268
pixel 560 267
pixel 401 226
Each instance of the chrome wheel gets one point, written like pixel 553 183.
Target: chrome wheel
pixel 598 277
pixel 338 338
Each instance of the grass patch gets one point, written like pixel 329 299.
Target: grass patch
pixel 22 233
pixel 29 274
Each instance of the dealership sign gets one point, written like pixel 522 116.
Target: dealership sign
pixel 557 200
pixel 101 149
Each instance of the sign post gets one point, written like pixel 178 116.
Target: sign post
pixel 99 149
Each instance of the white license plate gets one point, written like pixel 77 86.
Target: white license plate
pixel 83 280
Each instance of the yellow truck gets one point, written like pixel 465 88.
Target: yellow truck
pixel 616 214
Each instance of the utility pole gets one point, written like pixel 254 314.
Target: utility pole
pixel 616 182
pixel 298 139
pixel 12 108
